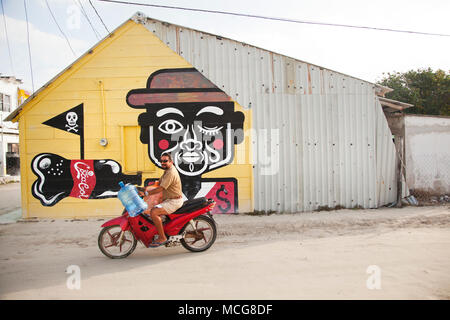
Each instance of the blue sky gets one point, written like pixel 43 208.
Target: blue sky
pixel 364 54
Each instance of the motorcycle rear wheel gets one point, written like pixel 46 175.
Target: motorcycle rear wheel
pixel 108 242
pixel 202 238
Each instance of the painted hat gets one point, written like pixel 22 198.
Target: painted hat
pixel 176 86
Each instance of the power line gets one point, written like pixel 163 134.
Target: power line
pixel 99 16
pixel 48 6
pixel 28 40
pixel 97 34
pixel 275 18
pixel 80 5
pixel 7 40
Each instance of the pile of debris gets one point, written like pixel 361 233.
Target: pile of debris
pixel 427 198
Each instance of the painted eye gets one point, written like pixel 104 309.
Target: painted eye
pixel 170 126
pixel 210 131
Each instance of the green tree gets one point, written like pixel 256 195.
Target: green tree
pixel 427 90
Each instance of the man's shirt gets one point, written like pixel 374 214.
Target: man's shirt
pixel 171 183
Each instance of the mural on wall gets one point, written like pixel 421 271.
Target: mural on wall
pixel 59 178
pixel 185 114
pixel 195 121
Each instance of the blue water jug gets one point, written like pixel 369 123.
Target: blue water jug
pixel 130 199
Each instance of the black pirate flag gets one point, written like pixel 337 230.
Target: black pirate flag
pixel 71 121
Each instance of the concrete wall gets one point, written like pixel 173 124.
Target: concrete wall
pixel 428 154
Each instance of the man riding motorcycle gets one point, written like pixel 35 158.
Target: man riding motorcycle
pixel 172 196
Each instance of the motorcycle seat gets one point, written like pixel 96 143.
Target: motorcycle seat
pixel 187 207
pixel 164 218
pixel 192 205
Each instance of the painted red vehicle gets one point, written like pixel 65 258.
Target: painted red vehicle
pixel 192 225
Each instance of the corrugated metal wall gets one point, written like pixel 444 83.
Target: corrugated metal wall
pixel 320 138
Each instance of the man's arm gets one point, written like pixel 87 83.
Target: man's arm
pixel 163 184
pixel 151 190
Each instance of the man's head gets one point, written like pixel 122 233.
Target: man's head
pixel 166 161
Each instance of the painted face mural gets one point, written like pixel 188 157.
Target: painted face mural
pixel 200 136
pixel 192 119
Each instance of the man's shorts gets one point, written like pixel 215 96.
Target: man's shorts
pixel 171 205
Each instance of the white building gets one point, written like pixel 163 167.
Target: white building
pixel 427 154
pixel 10 97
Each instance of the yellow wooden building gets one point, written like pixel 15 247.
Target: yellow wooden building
pixel 109 116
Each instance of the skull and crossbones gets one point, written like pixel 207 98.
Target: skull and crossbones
pixel 71 119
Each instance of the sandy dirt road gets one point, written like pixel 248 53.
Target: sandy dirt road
pixel 9 197
pixel 345 254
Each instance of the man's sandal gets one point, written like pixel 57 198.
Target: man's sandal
pixel 156 244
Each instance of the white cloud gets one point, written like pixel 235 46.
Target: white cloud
pixel 50 52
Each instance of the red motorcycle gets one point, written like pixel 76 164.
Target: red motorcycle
pixel 192 225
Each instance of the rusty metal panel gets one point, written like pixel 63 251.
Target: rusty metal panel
pixel 319 137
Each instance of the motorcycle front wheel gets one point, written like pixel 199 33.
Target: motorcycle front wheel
pixel 201 237
pixel 108 242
